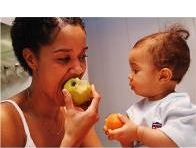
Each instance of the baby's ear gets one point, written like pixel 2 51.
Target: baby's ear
pixel 165 74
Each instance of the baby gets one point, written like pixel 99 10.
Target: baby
pixel 164 117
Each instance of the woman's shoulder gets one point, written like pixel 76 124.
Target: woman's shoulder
pixel 11 125
pixel 8 111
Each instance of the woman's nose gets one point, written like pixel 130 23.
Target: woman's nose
pixel 76 68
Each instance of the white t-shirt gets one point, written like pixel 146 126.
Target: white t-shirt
pixel 174 115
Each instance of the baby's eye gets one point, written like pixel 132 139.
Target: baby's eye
pixel 135 70
pixel 83 58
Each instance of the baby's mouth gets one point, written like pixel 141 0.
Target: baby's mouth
pixel 131 86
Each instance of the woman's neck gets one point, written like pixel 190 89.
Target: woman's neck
pixel 40 105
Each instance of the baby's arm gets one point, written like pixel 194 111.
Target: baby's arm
pixel 153 137
pixel 130 132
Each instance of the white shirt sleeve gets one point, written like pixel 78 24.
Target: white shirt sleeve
pixel 179 119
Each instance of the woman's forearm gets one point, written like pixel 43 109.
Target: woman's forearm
pixel 92 139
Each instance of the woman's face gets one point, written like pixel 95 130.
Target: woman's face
pixel 61 60
pixel 144 77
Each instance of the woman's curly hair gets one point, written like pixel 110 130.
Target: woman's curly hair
pixel 32 32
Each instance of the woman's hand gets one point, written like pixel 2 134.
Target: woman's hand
pixel 77 121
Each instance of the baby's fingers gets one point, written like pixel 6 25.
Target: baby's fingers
pixel 124 118
pixel 105 129
pixel 114 134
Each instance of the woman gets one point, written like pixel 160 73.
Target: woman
pixel 51 50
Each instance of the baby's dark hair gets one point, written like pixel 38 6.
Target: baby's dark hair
pixel 169 49
pixel 33 32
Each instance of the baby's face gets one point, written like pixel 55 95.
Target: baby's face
pixel 144 77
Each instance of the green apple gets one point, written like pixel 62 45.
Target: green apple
pixel 80 90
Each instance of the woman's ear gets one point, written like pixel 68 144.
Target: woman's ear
pixel 165 74
pixel 30 58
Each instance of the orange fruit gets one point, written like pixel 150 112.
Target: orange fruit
pixel 112 121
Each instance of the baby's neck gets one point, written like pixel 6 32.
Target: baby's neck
pixel 161 95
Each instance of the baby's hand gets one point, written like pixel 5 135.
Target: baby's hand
pixel 124 134
pixel 112 121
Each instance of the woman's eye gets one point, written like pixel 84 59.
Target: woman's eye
pixel 65 60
